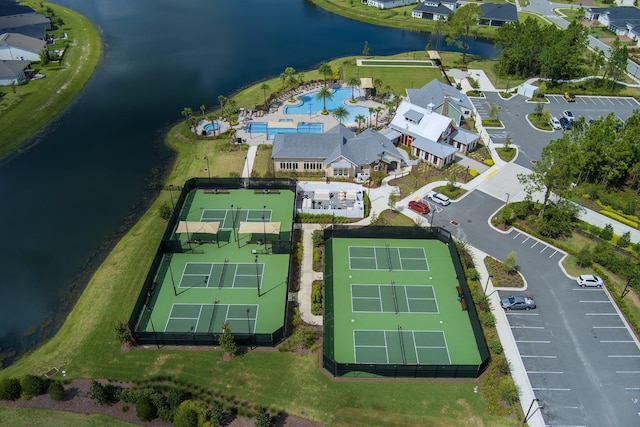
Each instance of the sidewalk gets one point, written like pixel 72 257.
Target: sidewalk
pixel 307 275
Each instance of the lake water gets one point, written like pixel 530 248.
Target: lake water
pixel 87 176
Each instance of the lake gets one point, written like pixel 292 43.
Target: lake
pixel 87 176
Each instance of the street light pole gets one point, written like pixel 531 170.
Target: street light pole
pixel 175 293
pixel 208 169
pixel 173 206
pixel 249 330
pixel 264 226
pixel 257 275
pixel 507 198
pixel 484 290
pixel 153 328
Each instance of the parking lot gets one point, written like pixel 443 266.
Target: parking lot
pixel 593 107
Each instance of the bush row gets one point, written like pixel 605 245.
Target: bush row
pixel 30 386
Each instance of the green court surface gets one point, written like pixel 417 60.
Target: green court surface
pixel 204 286
pixel 231 218
pixel 222 275
pixel 395 302
pixel 387 258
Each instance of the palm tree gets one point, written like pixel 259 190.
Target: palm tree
pixel 212 119
pixel 324 93
pixel 292 81
pixel 353 82
pixel 371 111
pixel 264 88
pixel 186 113
pixel 222 100
pixel 378 111
pixel 325 70
pixel 377 83
pixel 340 113
pixel 389 105
pixel 231 103
pixel 360 119
pixel 202 108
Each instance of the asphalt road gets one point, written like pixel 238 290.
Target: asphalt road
pixel 582 362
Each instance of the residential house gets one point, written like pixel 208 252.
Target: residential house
pixel 29 24
pixel 339 152
pixel 430 135
pixel 458 108
pixel 13 72
pixel 497 14
pixel 389 4
pixel 14 46
pixel 430 11
pixel 620 20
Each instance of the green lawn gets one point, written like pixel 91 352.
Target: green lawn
pixel 27 417
pixel 34 104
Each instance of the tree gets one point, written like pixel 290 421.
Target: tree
pixel 145 409
pixel 378 111
pixel 538 109
pixel 617 64
pixel 262 419
pixel 325 70
pixel 493 112
pixel 360 119
pixel 32 386
pixel 227 341
pixel 222 100
pixel 353 82
pixel 597 60
pixel 122 329
pixel 463 26
pixel 202 109
pixel 55 391
pixel 340 113
pixel 624 240
pixel 187 113
pixel 607 232
pixel 264 87
pixel 510 264
pixel 365 50
pixel 324 93
pixel 585 257
pixel 439 30
pixel 507 143
pixel 10 389
pixel 190 413
pixel 371 111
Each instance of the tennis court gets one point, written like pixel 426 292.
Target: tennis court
pixel 231 218
pixel 207 318
pixel 400 346
pixel 387 258
pixel 393 298
pixel 221 275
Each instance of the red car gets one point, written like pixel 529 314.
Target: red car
pixel 419 207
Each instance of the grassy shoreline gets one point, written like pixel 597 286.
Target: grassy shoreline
pixel 42 100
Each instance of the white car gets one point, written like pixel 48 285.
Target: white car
pixel 590 280
pixel 568 115
pixel 438 198
pixel 555 123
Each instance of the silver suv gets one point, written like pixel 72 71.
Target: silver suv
pixel 438 198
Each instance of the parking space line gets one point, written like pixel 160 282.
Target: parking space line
pixel 594 301
pixel 534 244
pixel 545 372
pixel 516 236
pixel 537 356
pixel 533 341
pixel 587 289
pixel 527 327
pixel 618 341
pixel 627 372
pixel 549 389
pixel 609 327
pixel 543 249
pixel 521 314
pixel 601 314
pixel 623 355
pixel 554 252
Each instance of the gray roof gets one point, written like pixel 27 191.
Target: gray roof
pixel 23 20
pixel 436 10
pixel 414 116
pixel 619 16
pixel 438 149
pixel 31 44
pixel 434 92
pixel 464 136
pixel 335 144
pixel 506 12
pixel 12 68
pixel 11 8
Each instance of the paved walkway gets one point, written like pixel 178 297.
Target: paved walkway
pixel 307 275
pixel 249 160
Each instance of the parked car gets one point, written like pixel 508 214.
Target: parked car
pixel 419 207
pixel 569 97
pixel 517 302
pixel 555 123
pixel 438 198
pixel 568 115
pixel 564 123
pixel 590 280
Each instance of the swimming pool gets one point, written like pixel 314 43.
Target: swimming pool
pixel 209 127
pixel 302 127
pixel 312 105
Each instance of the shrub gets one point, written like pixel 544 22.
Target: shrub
pixel 176 396
pixel 509 390
pixel 263 419
pixel 165 211
pixel 607 232
pixel 216 414
pixel 145 409
pixel 473 173
pixel 496 346
pixel 503 365
pixel 123 332
pixel 510 264
pixel 624 240
pixel 473 275
pixel 317 238
pixel 10 389
pixel 488 162
pixel 619 218
pixel 487 319
pixel 190 413
pixel 56 391
pixel 585 257
pixel 103 394
pixel 32 386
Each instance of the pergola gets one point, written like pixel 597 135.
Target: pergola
pixel 259 227
pixel 196 227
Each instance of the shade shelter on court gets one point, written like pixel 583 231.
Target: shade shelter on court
pixel 196 227
pixel 263 228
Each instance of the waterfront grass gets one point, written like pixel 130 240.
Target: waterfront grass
pixel 26 108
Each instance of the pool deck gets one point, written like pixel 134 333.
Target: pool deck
pixel 277 113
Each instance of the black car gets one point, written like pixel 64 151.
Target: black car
pixel 566 124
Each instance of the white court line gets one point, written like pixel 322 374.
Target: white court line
pixel 386 345
pixel 195 329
